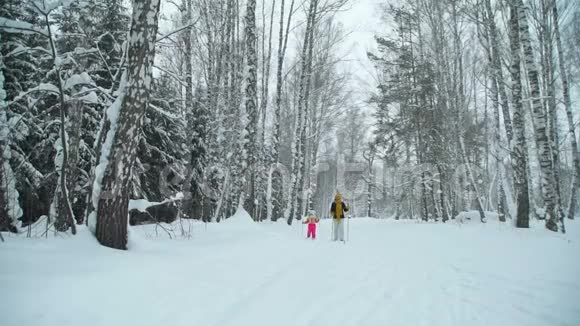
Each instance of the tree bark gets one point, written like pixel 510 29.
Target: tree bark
pixel 74 136
pixel 541 135
pixel 304 159
pixel 550 91
pixel 112 212
pixel 250 105
pixel 570 117
pixel 291 204
pixel 497 71
pixel 500 195
pixel 282 44
pixel 65 216
pixel 519 161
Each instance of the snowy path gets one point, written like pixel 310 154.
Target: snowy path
pixel 391 273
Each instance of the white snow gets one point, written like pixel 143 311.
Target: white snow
pixel 7 177
pixel 19 49
pixel 45 87
pixel 8 185
pixel 142 204
pixel 82 51
pixel 78 79
pixel 240 219
pixel 112 115
pixel 47 6
pixel 90 98
pixel 242 273
pixel 42 87
pixel 20 27
pixel 464 217
pixel 17 127
pixel 163 112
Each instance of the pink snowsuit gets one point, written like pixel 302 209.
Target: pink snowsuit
pixel 311 221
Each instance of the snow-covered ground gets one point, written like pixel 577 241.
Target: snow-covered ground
pixel 242 273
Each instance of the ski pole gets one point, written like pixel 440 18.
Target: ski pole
pixel 348 226
pixel 331 229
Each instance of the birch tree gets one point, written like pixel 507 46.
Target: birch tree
pixel 519 156
pixel 541 122
pixel 276 199
pixel 569 113
pixel 249 113
pixel 120 148
pixel 292 208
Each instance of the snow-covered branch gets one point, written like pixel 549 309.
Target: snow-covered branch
pixel 177 30
pixel 13 26
pixel 142 204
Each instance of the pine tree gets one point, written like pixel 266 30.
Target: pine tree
pixel 22 69
pixel 10 209
pixel 196 112
pixel 162 149
pixel 32 132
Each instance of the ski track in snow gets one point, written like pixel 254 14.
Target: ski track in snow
pixel 391 273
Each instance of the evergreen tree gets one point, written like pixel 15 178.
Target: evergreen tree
pixel 10 209
pixel 162 149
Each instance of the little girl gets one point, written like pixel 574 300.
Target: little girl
pixel 311 220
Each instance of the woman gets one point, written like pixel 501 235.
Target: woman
pixel 337 210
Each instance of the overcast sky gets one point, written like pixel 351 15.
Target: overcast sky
pixel 362 19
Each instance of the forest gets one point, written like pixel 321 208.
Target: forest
pixel 116 113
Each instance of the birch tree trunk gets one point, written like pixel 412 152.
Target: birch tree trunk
pixel 282 44
pixel 236 182
pixel 291 204
pixel 266 58
pixel 112 211
pixel 519 161
pixel 229 108
pixel 265 160
pixel 553 129
pixel 250 105
pixel 304 158
pixel 276 182
pixel 540 120
pixel 497 70
pixel 500 196
pixel 570 117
